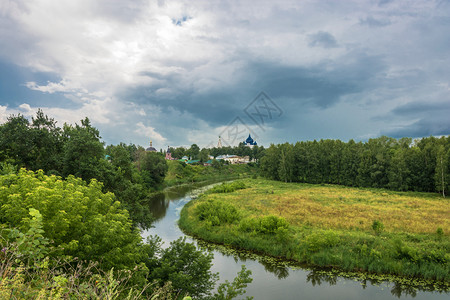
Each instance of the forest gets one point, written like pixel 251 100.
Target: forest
pixel 421 165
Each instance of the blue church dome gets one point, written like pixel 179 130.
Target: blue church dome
pixel 250 141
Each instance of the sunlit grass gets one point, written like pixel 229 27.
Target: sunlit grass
pixel 344 207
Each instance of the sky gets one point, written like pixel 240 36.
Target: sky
pixel 184 72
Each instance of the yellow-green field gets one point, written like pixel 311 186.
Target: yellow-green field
pixel 332 206
pixel 352 229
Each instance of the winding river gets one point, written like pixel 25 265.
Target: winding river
pixel 271 280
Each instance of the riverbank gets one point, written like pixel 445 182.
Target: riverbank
pixel 182 173
pixel 370 230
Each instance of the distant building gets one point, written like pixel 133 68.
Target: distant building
pixel 219 144
pixel 168 154
pixel 249 141
pixel 234 159
pixel 151 149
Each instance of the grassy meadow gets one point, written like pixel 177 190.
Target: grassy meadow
pixel 352 229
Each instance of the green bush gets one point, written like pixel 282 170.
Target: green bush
pixel 217 212
pixel 264 225
pixel 228 187
pixel 321 239
pixel 377 226
pixel 79 218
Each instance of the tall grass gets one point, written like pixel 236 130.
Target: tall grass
pixel 60 279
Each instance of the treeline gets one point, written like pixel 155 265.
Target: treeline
pixel 128 171
pixel 398 164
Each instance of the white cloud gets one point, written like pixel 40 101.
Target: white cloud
pixel 63 87
pixel 148 131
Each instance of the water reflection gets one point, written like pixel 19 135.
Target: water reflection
pixel 159 201
pixel 159 205
pixel 318 278
pixel 399 289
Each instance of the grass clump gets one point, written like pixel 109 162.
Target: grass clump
pixel 264 225
pixel 377 226
pixel 217 212
pixel 228 187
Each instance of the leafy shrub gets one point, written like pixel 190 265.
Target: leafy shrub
pixel 217 212
pixel 79 218
pixel 265 225
pixel 228 187
pixel 31 245
pixel 321 239
pixel 377 226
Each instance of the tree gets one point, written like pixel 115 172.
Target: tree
pixel 270 162
pixel 399 174
pixel 16 141
pixel 204 155
pixel 121 158
pixel 286 166
pixel 194 151
pixel 82 151
pixel 47 143
pixel 153 169
pixel 186 267
pixel 441 174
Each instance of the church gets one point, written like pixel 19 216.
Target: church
pixel 151 148
pixel 249 141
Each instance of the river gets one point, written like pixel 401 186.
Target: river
pixel 272 281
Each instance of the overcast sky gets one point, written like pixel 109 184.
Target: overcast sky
pixel 183 72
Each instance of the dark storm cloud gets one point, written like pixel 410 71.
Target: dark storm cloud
pixel 420 108
pixel 431 125
pixel 432 119
pixel 319 87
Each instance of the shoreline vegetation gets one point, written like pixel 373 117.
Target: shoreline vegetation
pixel 365 233
pixel 180 173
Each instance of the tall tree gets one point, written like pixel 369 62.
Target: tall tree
pixel 82 151
pixel 153 169
pixel 194 151
pixel 441 174
pixel 286 165
pixel 270 162
pixel 47 143
pixel 16 141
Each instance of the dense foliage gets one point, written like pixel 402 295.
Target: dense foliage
pixel 228 187
pixel 180 172
pixel 79 218
pixel 404 165
pixel 46 220
pixel 126 170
